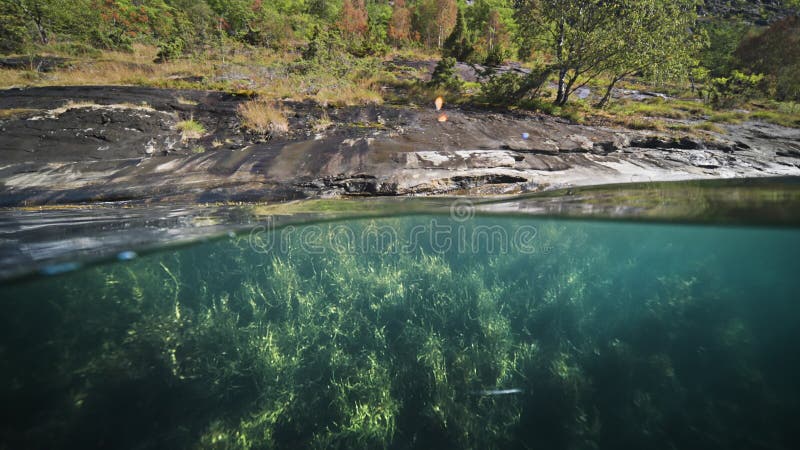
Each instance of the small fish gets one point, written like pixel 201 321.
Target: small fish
pixel 443 118
pixel 439 103
pixel 500 392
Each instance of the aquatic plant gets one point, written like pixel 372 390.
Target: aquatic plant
pixel 583 341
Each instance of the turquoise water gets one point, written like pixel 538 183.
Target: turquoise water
pixel 415 332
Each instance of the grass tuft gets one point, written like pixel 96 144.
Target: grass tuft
pixel 263 117
pixel 190 129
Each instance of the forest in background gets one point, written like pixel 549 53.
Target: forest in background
pixel 728 52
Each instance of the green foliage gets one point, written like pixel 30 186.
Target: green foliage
pixel 170 49
pixel 723 38
pixel 13 31
pixel 502 89
pixel 76 49
pixel 592 38
pixel 510 88
pixel 457 45
pixel 491 23
pixel 726 92
pixel 495 56
pixel 444 75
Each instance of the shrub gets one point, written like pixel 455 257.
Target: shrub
pixel 510 88
pixel 77 49
pixel 495 57
pixel 776 53
pixel 170 49
pixel 725 92
pixel 444 75
pixel 502 89
pixel 457 44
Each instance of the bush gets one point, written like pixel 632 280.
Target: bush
pixel 170 49
pixel 726 92
pixel 511 88
pixel 444 75
pixel 502 89
pixel 111 41
pixel 495 57
pixel 775 52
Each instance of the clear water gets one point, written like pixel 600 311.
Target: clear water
pixel 424 331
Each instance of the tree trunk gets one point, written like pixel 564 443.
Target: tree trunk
pixel 562 94
pixel 562 71
pixel 37 16
pixel 42 33
pixel 567 90
pixel 604 101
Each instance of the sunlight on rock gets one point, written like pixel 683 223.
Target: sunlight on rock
pixel 443 118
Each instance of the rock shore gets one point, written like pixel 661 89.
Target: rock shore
pixel 61 145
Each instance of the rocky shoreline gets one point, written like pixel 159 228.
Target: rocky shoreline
pixel 68 145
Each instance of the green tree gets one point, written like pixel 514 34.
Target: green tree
pixel 457 44
pixel 444 75
pixel 13 31
pixel 589 38
pixel 40 13
pixel 651 37
pixel 578 33
pixel 723 36
pixel 434 20
pixel 491 22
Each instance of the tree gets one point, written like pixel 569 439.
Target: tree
pixel 593 37
pixel 496 37
pixel 400 24
pixel 444 75
pixel 776 53
pixel 12 28
pixel 578 33
pixel 41 13
pixel 353 21
pixel 435 19
pixel 651 37
pixel 723 36
pixel 491 22
pixel 457 45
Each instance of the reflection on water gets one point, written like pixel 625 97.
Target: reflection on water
pixel 53 239
pixel 421 331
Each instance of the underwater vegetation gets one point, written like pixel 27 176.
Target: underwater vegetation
pixel 602 335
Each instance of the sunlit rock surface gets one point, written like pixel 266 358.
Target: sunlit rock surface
pixel 80 144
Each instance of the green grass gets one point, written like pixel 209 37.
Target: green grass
pixel 732 117
pixel 708 126
pixel 190 129
pixel 668 109
pixel 777 117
